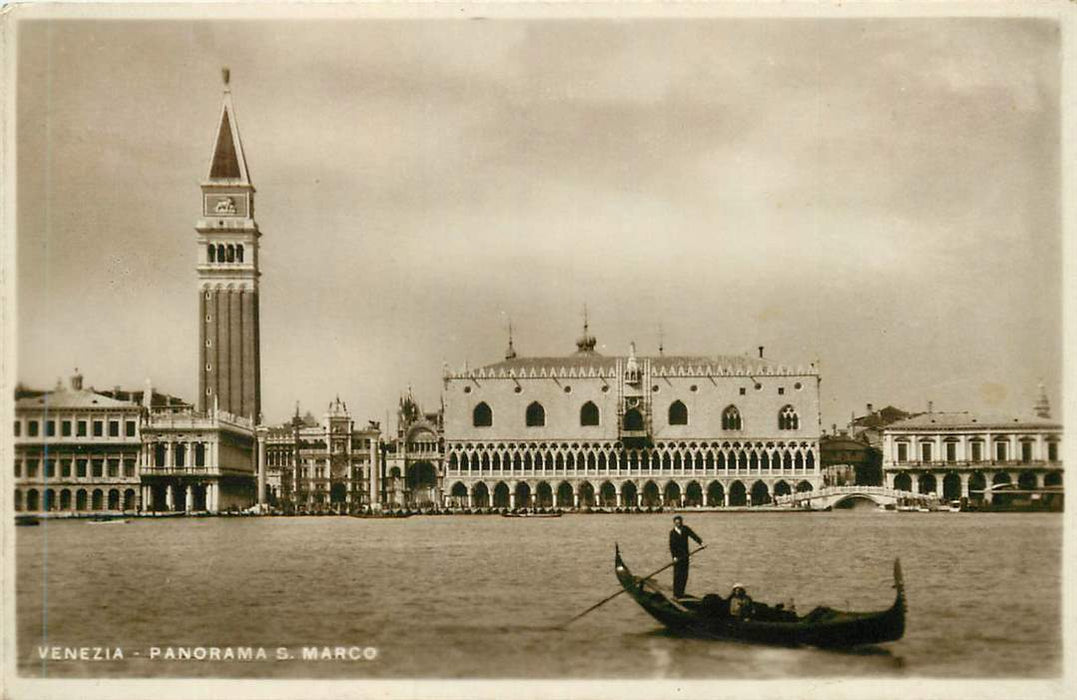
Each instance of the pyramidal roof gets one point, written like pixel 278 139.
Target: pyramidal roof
pixel 229 164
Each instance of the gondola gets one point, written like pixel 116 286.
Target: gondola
pixel 554 514
pixel 822 627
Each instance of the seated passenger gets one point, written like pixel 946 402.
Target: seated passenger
pixel 740 605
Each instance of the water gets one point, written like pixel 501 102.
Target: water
pixel 478 596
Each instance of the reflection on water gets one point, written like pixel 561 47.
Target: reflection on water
pixel 486 597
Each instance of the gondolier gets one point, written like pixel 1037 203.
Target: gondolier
pixel 678 547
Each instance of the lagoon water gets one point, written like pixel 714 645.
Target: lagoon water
pixel 478 596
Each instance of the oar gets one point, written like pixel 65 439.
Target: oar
pixel 606 600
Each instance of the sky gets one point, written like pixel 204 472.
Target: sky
pixel 879 196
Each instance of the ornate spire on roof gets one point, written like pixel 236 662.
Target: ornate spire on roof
pixel 1043 406
pixel 510 352
pixel 586 342
pixel 661 341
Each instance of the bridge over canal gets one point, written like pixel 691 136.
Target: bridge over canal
pixel 831 496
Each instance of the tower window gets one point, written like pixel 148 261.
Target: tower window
pixel 482 416
pixel 239 253
pixel 220 252
pixel 535 415
pixel 589 414
pixel 678 413
pixel 231 253
pixel 211 252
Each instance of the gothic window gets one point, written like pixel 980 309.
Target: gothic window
pixel 239 253
pixel 589 414
pixel 633 419
pixel 678 413
pixel 220 252
pixel 731 418
pixel 788 419
pixel 482 416
pixel 536 415
pixel 231 253
pixel 211 251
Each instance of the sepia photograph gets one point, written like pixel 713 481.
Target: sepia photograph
pixel 535 350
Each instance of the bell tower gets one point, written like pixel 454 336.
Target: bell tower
pixel 229 371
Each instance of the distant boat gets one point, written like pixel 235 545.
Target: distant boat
pixel 387 514
pixel 27 520
pixel 105 520
pixel 556 514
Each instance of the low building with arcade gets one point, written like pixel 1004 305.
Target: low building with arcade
pixel 966 455
pixel 78 450
pixel 588 430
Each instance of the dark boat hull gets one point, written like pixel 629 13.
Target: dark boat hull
pixel 823 627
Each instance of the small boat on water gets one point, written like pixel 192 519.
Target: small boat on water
pixel 27 520
pixel 555 514
pixel 105 520
pixel 709 617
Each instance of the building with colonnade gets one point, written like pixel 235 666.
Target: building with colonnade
pixel 954 455
pixel 587 430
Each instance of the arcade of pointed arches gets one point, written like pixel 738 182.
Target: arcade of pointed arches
pixel 693 458
pixel 620 493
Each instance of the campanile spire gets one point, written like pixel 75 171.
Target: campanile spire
pixel 229 371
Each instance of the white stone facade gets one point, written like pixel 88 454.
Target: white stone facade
pixel 961 455
pixel 586 430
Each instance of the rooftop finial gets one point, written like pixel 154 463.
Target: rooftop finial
pixel 586 342
pixel 510 352
pixel 1043 406
pixel 661 341
pixel 226 76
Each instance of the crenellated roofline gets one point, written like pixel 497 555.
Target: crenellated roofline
pixel 575 367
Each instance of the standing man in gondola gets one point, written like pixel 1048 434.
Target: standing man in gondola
pixel 678 547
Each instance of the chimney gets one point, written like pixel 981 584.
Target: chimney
pixel 930 406
pixel 871 409
pixel 76 380
pixel 760 352
pixel 116 392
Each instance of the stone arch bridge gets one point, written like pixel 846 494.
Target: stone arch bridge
pixel 831 496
